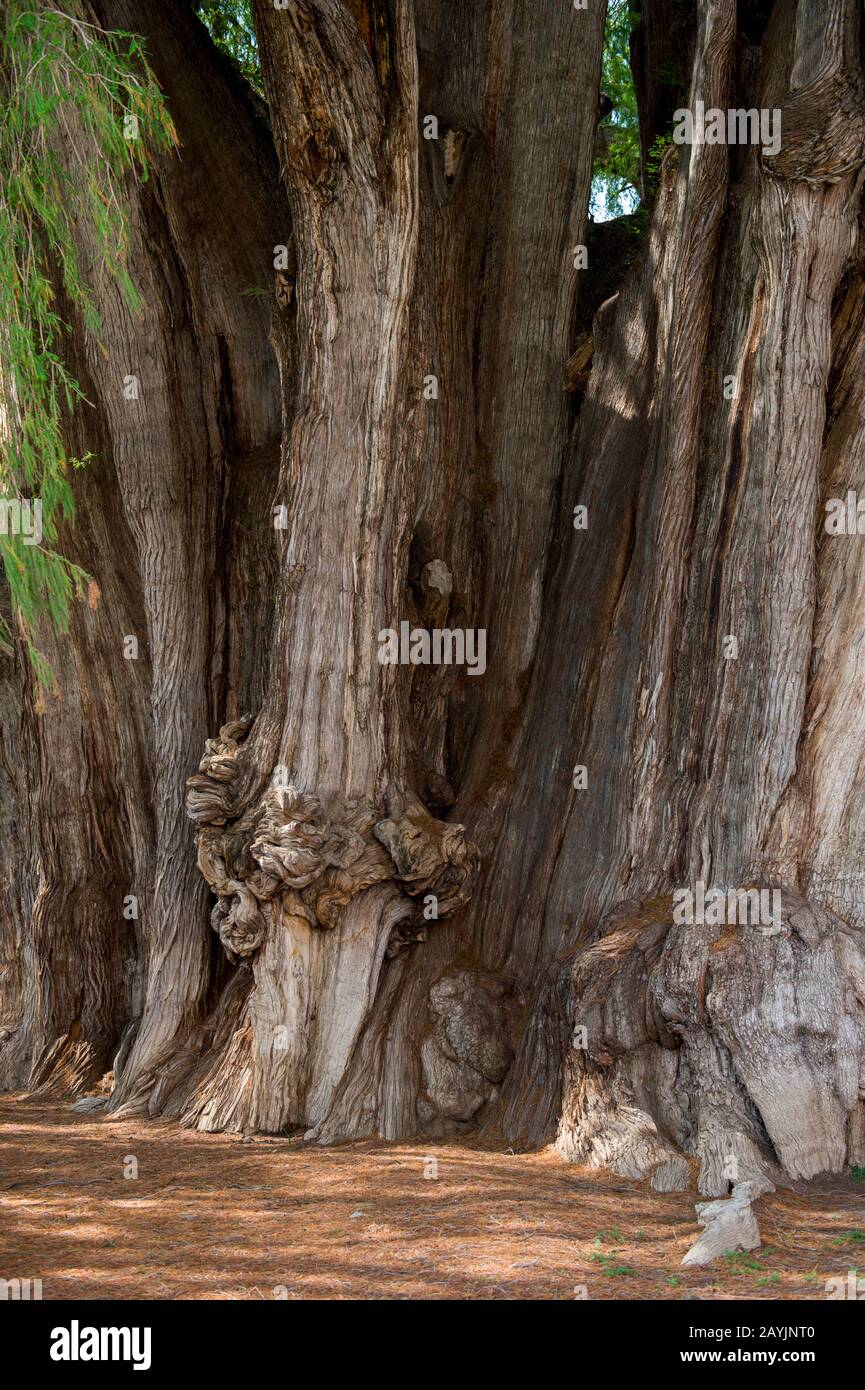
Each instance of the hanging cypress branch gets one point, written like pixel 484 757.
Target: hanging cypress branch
pixel 58 74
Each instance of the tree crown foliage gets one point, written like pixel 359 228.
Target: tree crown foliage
pixel 614 191
pixel 231 28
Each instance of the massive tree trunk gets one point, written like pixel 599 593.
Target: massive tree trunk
pixel 169 523
pixel 436 896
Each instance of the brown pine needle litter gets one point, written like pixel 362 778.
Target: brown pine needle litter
pixel 220 1217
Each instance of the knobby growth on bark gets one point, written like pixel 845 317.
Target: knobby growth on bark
pixel 389 376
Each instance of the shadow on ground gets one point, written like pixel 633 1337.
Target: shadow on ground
pixel 217 1217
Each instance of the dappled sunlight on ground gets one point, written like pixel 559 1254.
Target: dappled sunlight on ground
pixel 217 1217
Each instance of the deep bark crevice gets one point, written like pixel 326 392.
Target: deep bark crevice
pixel 406 902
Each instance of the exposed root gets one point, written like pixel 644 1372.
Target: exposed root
pixel 742 1048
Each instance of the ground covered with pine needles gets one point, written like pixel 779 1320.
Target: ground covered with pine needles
pixel 223 1217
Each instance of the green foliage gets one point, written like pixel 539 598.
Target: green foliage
pixel 609 1263
pixel 611 1237
pixel 741 1261
pixel 231 28
pixel 616 173
pixel 657 150
pixel 610 1266
pixel 854 1237
pixel 614 190
pixel 80 112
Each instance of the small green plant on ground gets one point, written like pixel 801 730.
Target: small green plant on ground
pixel 609 1265
pixel 741 1261
pixel 854 1237
pixel 610 1237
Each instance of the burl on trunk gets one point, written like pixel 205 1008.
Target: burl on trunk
pixel 425 897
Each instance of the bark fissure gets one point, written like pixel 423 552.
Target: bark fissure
pixel 376 897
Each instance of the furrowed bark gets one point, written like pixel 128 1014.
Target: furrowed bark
pixel 695 650
pixel 159 514
pixel 308 828
pixel 714 744
pixel 536 212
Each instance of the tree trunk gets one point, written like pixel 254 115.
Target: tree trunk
pixel 113 909
pixel 437 897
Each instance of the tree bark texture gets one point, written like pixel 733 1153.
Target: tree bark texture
pixel 285 969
